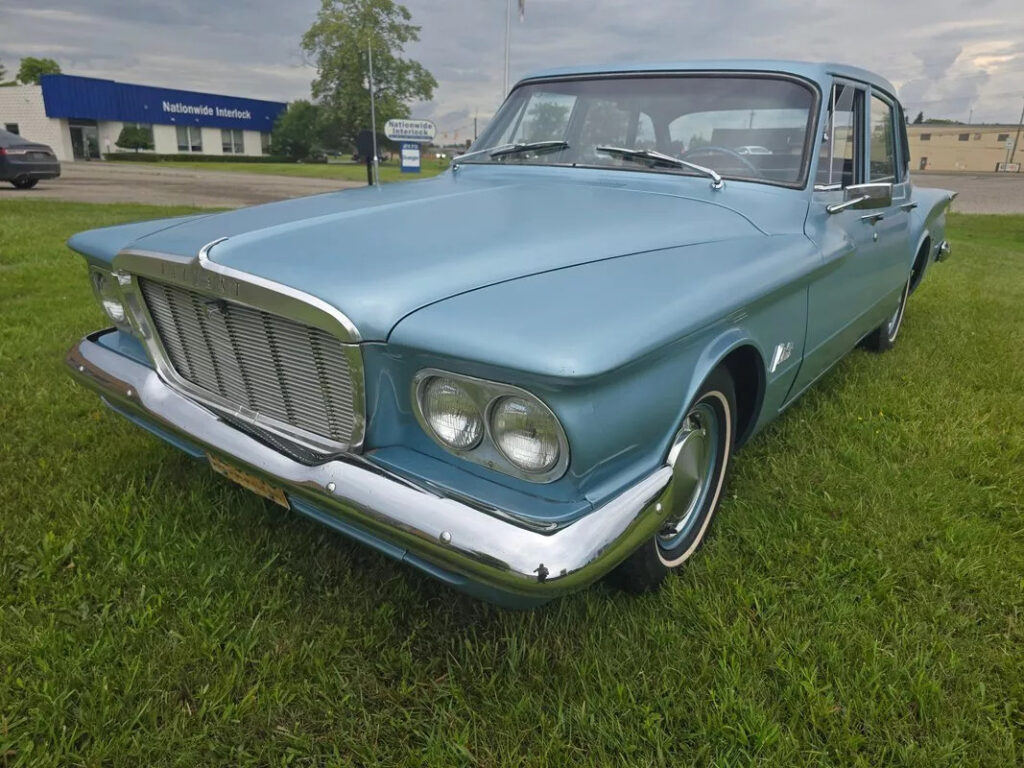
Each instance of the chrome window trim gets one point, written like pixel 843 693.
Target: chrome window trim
pixel 485 394
pixel 203 276
pixel 813 111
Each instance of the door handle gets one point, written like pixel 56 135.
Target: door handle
pixel 871 218
pixel 908 207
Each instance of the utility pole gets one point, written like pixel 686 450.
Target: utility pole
pixel 474 126
pixel 1016 141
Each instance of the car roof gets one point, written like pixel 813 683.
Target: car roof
pixel 820 72
pixel 8 139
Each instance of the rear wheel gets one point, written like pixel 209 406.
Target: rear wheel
pixel 699 457
pixel 25 183
pixel 883 338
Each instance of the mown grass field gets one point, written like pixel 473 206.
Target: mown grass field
pixel 388 171
pixel 860 601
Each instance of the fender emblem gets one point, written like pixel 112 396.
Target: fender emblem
pixel 781 355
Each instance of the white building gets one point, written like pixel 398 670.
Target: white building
pixel 82 117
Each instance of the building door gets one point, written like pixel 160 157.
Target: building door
pixel 85 139
pixel 77 142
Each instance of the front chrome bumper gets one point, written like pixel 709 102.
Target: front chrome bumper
pixel 487 550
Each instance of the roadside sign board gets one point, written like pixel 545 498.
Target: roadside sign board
pixel 410 130
pixel 410 157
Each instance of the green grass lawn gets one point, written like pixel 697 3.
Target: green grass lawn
pixel 859 602
pixel 389 171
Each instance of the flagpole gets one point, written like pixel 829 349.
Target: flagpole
pixel 508 43
pixel 373 115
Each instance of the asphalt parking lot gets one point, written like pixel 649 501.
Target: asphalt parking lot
pixel 979 192
pixel 145 183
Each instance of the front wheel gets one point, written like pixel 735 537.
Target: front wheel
pixel 699 458
pixel 24 183
pixel 883 338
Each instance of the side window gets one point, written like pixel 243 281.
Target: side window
pixel 838 161
pixel 904 146
pixel 882 160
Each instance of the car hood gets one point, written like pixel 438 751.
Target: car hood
pixel 378 254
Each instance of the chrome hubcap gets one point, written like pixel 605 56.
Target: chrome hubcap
pixel 693 459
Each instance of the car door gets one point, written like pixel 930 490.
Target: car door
pixel 890 225
pixel 858 247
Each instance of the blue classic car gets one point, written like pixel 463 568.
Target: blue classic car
pixel 531 371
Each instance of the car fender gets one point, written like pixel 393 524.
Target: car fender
pixel 619 348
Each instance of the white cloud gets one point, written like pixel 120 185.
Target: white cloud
pixel 946 57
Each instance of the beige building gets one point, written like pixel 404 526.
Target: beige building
pixel 941 147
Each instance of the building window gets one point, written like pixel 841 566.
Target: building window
pixel 964 136
pixel 926 137
pixel 1003 137
pixel 190 138
pixel 265 143
pixel 231 141
pixel 12 128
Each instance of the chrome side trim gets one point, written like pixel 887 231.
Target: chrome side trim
pixel 200 274
pixel 439 528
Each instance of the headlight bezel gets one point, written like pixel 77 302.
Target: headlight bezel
pixel 487 394
pixel 106 288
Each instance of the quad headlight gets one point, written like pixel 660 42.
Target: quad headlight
pixel 497 425
pixel 452 414
pixel 526 433
pixel 104 285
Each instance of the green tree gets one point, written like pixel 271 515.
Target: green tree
pixel 919 119
pixel 338 42
pixel 3 71
pixel 32 69
pixel 134 137
pixel 296 131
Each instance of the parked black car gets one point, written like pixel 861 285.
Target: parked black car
pixel 24 163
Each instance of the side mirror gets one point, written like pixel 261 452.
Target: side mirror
pixel 864 197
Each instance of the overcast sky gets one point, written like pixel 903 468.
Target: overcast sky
pixel 947 57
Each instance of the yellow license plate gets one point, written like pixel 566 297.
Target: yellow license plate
pixel 246 480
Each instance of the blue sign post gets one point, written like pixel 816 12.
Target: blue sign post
pixel 410 157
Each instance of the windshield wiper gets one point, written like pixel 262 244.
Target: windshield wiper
pixel 504 150
pixel 529 146
pixel 660 157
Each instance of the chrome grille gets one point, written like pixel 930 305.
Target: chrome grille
pixel 294 373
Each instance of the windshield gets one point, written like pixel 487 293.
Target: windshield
pixel 748 127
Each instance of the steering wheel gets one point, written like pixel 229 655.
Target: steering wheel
pixel 711 149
